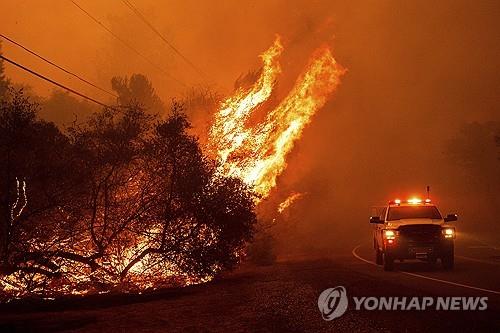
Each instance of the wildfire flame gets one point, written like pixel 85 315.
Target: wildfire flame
pixel 289 201
pixel 258 154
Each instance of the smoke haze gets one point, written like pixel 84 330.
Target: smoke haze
pixel 418 73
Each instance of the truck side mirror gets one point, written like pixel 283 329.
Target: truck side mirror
pixel 451 218
pixel 376 220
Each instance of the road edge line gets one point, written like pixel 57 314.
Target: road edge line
pixel 426 277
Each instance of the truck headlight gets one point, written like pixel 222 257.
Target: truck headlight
pixel 449 232
pixel 389 234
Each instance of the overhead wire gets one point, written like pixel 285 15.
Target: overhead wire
pixel 60 85
pixel 126 44
pixel 57 66
pixel 134 9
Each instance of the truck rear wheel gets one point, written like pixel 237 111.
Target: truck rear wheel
pixel 388 263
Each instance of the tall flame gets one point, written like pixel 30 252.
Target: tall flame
pixel 258 154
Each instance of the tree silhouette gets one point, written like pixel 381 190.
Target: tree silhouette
pixel 36 183
pixel 64 109
pixel 202 220
pixel 475 149
pixel 121 200
pixel 137 89
pixel 4 82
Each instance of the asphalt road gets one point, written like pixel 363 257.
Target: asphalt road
pixel 283 298
pixel 477 268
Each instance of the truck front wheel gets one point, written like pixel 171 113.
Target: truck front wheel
pixel 448 259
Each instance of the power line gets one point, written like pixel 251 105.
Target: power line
pixel 57 66
pixel 55 83
pixel 143 18
pixel 125 43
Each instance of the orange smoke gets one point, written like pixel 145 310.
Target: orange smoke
pixel 258 154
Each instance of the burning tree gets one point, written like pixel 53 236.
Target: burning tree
pixel 36 185
pixel 128 201
pixel 201 219
pixel 124 201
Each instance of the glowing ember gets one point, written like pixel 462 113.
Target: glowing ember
pixel 289 201
pixel 257 154
pixel 16 210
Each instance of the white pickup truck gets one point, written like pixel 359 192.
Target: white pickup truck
pixel 413 229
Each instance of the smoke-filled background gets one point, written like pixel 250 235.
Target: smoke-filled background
pixel 418 105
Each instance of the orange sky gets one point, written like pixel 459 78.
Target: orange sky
pixel 221 38
pixel 401 42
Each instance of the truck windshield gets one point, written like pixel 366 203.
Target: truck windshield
pixel 413 212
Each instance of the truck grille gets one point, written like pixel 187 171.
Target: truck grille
pixel 420 233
